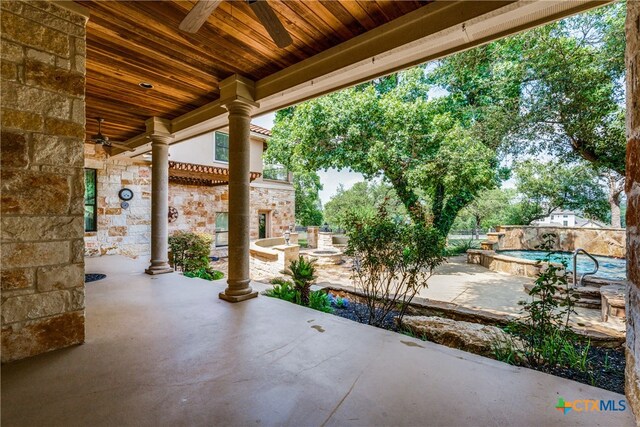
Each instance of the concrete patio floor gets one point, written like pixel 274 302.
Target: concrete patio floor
pixel 164 350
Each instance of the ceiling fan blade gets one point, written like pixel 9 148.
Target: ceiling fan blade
pixel 271 23
pixel 198 14
pixel 120 146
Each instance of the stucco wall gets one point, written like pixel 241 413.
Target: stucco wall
pixel 200 150
pixel 596 241
pixel 43 126
pixel 632 189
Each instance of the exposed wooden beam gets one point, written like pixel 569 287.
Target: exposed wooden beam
pixel 428 33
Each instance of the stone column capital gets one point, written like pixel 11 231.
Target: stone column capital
pixel 160 139
pixel 240 106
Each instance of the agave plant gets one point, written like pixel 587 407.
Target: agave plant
pixel 303 274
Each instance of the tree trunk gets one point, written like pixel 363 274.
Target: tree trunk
pixel 614 202
pixel 476 230
pixel 616 186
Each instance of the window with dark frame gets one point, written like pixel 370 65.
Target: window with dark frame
pixel 221 141
pixel 90 200
pixel 222 229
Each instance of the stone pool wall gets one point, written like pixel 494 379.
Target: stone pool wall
pixel 597 241
pixel 503 263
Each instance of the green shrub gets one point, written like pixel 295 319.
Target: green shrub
pixel 302 273
pixel 284 290
pixel 205 273
pixel 319 300
pixel 393 260
pixel 190 251
pixel 544 327
pixel 459 247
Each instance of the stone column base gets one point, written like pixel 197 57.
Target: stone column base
pixel 158 270
pixel 238 298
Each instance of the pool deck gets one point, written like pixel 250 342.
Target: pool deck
pixel 476 287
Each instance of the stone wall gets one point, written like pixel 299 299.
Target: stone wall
pixel 596 241
pixel 280 201
pixel 197 207
pixel 632 189
pixel 128 231
pixel 43 128
pixel 119 231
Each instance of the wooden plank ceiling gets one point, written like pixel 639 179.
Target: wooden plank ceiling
pixel 129 42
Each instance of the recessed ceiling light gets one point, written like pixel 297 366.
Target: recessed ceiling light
pixel 145 85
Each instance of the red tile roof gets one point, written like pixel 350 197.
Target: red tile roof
pixel 260 130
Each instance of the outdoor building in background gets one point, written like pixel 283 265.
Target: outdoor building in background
pixel 568 219
pixel 118 202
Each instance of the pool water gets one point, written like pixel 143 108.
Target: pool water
pixel 610 268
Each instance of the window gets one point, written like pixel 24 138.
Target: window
pixel 565 223
pixel 90 198
pixel 222 229
pixel 221 147
pixel 264 224
pixel 275 172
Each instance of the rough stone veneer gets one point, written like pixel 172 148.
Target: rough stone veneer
pixel 128 231
pixel 596 241
pixel 42 191
pixel 120 231
pixel 198 206
pixel 632 374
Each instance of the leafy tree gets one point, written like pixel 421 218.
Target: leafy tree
pixel 567 79
pixel 308 206
pixel 547 187
pixel 389 128
pixel 363 200
pixel 487 210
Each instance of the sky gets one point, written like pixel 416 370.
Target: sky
pixel 330 179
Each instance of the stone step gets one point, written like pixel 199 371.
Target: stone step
pixel 589 297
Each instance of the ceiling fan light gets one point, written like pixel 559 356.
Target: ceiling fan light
pixel 145 85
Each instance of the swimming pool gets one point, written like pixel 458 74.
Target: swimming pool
pixel 610 268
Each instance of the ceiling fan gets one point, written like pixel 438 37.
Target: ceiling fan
pixel 203 8
pixel 103 140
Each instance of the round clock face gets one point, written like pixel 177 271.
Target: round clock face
pixel 125 194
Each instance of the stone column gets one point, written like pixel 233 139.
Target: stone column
pixel 312 237
pixel 238 281
pixel 632 372
pixel 159 205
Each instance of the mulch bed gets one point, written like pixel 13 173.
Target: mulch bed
pixel 93 277
pixel 607 370
pixel 607 364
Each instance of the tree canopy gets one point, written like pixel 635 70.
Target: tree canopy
pixel 554 92
pixel 362 200
pixel 390 128
pixel 308 206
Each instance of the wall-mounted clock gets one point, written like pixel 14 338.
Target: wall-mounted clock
pixel 125 194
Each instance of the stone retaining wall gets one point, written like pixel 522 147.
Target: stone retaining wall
pixel 632 373
pixel 43 128
pixel 503 263
pixel 270 257
pixel 596 241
